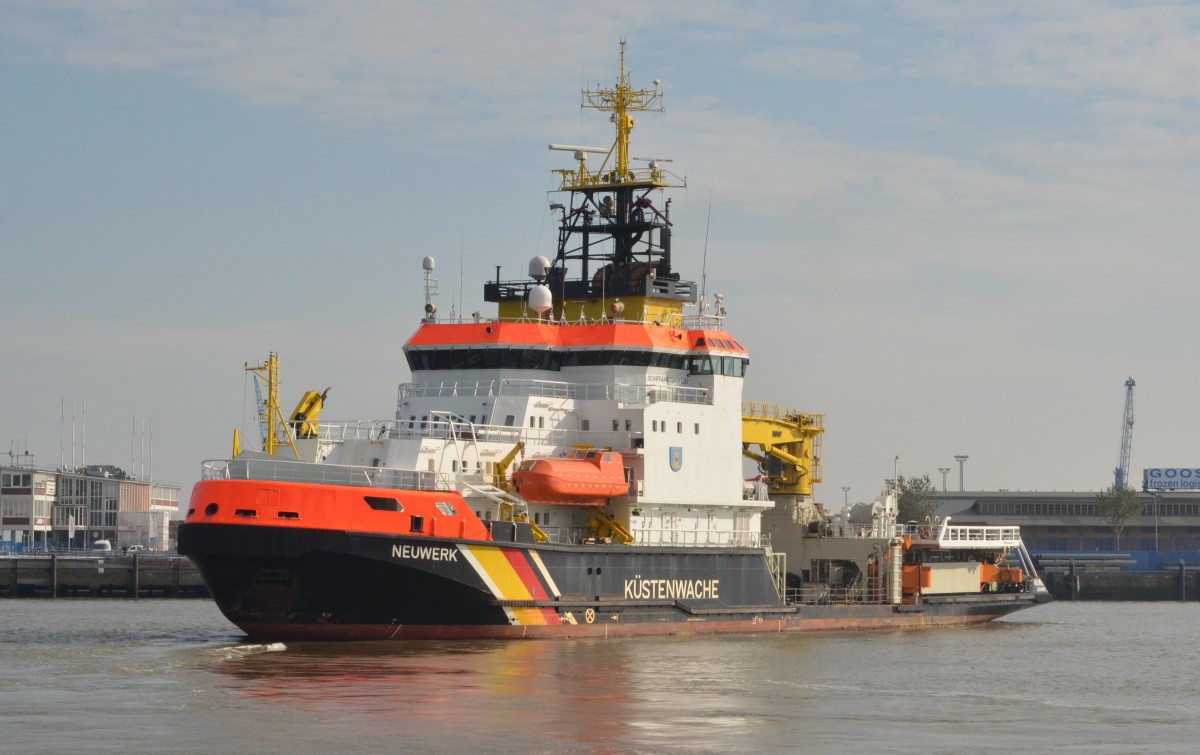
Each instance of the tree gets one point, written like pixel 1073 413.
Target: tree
pixel 917 501
pixel 1116 506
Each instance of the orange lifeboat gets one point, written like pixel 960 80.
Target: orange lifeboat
pixel 585 478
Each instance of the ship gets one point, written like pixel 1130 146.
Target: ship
pixel 579 464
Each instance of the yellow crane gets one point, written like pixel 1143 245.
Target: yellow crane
pixel 787 443
pixel 277 433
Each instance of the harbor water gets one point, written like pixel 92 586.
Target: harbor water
pixel 173 676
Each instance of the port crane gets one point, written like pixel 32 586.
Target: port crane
pixel 1121 473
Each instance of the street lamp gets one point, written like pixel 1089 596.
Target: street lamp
pixel 945 471
pixel 960 460
pixel 845 495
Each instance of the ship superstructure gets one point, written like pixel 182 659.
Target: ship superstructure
pixel 574 465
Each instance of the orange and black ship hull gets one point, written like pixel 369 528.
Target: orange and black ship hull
pixel 296 584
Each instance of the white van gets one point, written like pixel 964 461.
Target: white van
pixel 102 546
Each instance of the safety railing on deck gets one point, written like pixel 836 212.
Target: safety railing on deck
pixel 947 535
pixel 632 395
pixel 823 594
pixel 701 538
pixel 282 470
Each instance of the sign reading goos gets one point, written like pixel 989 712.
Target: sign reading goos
pixel 1171 478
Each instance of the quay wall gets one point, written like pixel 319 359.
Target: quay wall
pixel 108 575
pixel 1173 584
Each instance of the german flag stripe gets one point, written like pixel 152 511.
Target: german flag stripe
pixel 509 577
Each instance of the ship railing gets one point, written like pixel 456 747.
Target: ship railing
pixel 700 538
pixel 459 429
pixel 950 536
pixel 757 409
pixel 689 539
pixel 826 594
pixel 704 322
pixel 624 393
pixel 339 431
pixel 281 470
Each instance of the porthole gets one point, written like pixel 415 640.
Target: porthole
pixel 211 509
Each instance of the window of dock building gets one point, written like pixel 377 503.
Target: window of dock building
pixel 15 480
pixel 586 425
pixel 679 427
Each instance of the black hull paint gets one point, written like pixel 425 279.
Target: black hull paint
pixel 295 584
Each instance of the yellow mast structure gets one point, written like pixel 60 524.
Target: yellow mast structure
pixel 620 100
pixel 270 416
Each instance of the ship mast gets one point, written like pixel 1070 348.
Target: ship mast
pixel 621 100
pixel 613 242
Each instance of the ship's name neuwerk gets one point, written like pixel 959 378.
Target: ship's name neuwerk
pixel 424 553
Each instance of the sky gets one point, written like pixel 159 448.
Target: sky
pixel 952 228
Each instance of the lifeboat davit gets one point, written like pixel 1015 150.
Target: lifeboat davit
pixel 585 478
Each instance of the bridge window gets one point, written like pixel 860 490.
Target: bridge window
pixel 700 365
pixel 518 358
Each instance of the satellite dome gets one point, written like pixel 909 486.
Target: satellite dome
pixel 427 263
pixel 540 299
pixel 538 268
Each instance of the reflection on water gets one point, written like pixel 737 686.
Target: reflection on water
pixel 576 692
pixel 172 676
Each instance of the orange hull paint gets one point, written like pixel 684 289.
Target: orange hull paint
pixel 260 503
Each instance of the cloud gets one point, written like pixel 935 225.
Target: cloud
pixel 947 206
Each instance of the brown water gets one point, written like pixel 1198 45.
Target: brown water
pixel 174 676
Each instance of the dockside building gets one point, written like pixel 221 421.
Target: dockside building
pixel 73 509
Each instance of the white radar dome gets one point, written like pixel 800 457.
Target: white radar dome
pixel 540 299
pixel 427 263
pixel 538 268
